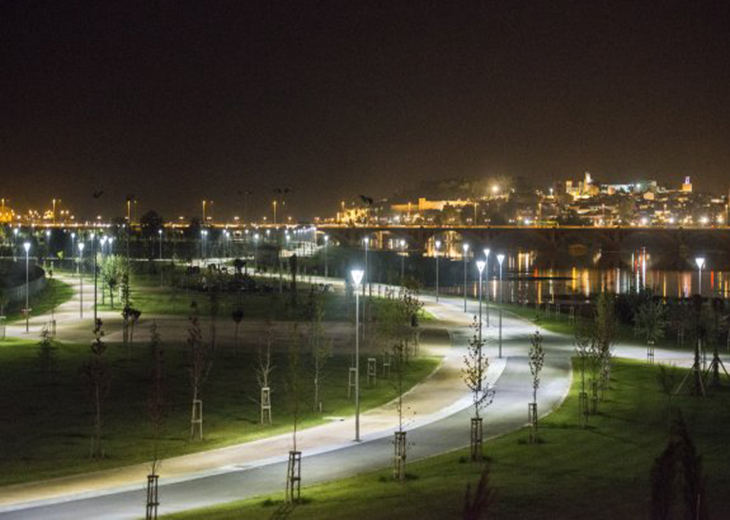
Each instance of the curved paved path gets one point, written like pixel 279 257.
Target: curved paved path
pixel 441 425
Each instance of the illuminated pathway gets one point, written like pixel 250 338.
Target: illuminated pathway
pixel 441 425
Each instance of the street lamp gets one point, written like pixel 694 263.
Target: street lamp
pixel 73 246
pixel 255 252
pixel 465 247
pixel 486 259
pixel 700 261
pixel 203 245
pixel 402 260
pixel 93 251
pixel 365 242
pixel 326 242
pixel 500 259
pixel 480 268
pixel 26 246
pixel 357 275
pixel 81 280
pixel 438 246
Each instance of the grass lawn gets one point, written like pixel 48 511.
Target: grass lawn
pixel 41 303
pixel 46 421
pixel 601 472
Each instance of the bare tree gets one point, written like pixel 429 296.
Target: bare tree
pixel 604 333
pixel 263 376
pixel 96 371
pixel 536 360
pixel 294 390
pixel 201 361
pixel 156 412
pixel 320 350
pixel 474 374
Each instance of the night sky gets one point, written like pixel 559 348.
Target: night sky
pixel 177 101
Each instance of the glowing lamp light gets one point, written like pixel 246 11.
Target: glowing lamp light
pixel 486 252
pixel 480 265
pixel 26 246
pixel 357 275
pixel 500 258
pixel 465 247
pixel 438 244
pixel 700 261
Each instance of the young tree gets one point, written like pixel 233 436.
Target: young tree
pixel 294 388
pixel 320 350
pixel 113 268
pixel 96 371
pixel 536 361
pixel 263 376
pixel 604 336
pixel 474 374
pixel 200 363
pixel 400 444
pixel 650 320
pixel 46 351
pixel 156 413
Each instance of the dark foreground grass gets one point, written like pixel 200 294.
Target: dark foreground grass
pixel 46 418
pixel 601 472
pixel 53 294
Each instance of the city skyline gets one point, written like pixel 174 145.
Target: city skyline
pixel 332 101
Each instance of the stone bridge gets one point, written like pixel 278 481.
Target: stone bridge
pixel 695 240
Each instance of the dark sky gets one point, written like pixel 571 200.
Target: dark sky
pixel 177 101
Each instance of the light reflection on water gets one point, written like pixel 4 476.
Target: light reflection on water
pixel 523 280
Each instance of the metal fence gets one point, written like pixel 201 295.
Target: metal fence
pixel 17 293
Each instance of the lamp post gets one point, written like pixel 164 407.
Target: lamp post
pixel 15 244
pixel 73 247
pixel 480 268
pixel 159 234
pixel 255 252
pixel 700 261
pixel 402 260
pixel 486 260
pixel 500 259
pixel 26 246
pixel 81 280
pixel 357 275
pixel 438 246
pixel 204 246
pixel 465 248
pixel 326 242
pixel 366 278
pixel 93 251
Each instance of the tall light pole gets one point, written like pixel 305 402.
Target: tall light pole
pixel 500 259
pixel 486 257
pixel 93 251
pixel 366 243
pixel 357 275
pixel 438 246
pixel 402 261
pixel 326 242
pixel 159 234
pixel 73 246
pixel 204 246
pixel 81 280
pixel 255 252
pixel 700 261
pixel 480 268
pixel 15 244
pixel 465 249
pixel 26 246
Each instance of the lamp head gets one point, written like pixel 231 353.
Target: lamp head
pixel 26 246
pixel 500 258
pixel 487 251
pixel 465 247
pixel 700 261
pixel 81 247
pixel 438 244
pixel 326 238
pixel 480 265
pixel 357 275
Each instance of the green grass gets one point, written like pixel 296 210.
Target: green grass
pixel 41 303
pixel 601 472
pixel 149 297
pixel 46 422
